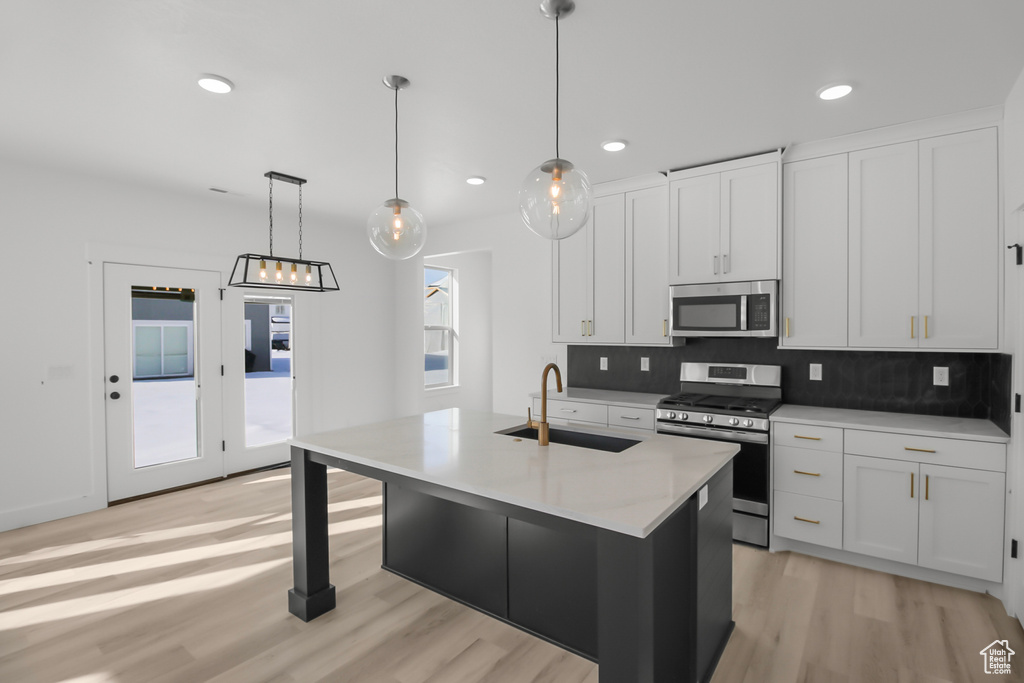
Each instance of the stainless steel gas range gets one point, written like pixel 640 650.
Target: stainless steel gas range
pixel 731 402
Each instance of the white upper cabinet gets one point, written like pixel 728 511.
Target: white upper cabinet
pixel 647 266
pixel 587 278
pixel 724 222
pixel 959 247
pixel 814 262
pixel 883 247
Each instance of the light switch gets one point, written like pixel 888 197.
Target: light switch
pixel 645 365
pixel 604 363
pixel 816 371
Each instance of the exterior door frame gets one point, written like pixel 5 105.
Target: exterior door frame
pixel 96 255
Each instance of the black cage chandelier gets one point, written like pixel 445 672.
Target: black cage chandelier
pixel 266 271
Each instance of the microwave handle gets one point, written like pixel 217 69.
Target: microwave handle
pixel 743 312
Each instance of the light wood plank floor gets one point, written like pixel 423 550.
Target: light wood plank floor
pixel 191 586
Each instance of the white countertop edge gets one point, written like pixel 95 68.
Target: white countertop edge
pixel 937 426
pixel 626 399
pixel 629 530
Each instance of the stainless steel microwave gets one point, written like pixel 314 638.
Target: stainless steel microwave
pixel 729 309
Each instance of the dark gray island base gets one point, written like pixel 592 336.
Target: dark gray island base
pixel 656 609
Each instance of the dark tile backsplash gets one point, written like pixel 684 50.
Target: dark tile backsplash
pixel 894 381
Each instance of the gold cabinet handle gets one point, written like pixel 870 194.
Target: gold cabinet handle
pixel 590 326
pixel 629 417
pixel 912 326
pixel 926 478
pixel 809 474
pixel 911 484
pixel 664 327
pixel 787 327
pixel 809 438
pixel 918 450
pixel 926 327
pixel 809 521
pixel 583 328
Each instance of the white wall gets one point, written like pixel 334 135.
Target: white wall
pixel 53 447
pixel 520 274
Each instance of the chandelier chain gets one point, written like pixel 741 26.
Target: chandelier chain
pixel 271 215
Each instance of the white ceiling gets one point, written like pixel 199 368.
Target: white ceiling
pixel 109 87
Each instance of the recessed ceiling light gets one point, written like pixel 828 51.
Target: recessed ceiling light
pixel 834 92
pixel 476 180
pixel 614 145
pixel 215 84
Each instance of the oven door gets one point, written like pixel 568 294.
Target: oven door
pixel 751 471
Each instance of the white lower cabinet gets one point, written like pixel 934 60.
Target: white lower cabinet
pixel 961 521
pixel 931 501
pixel 880 507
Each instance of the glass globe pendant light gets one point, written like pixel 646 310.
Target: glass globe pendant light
pixel 554 199
pixel 396 230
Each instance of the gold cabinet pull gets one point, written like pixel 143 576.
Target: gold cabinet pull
pixel 809 474
pixel 911 484
pixel 926 327
pixel 809 438
pixel 918 450
pixel 912 326
pixel 809 521
pixel 664 328
pixel 583 328
pixel 787 327
pixel 926 478
pixel 590 325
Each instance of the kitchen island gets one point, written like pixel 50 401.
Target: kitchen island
pixel 623 558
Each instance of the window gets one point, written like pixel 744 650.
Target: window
pixel 440 338
pixel 268 370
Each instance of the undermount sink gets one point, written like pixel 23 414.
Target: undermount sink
pixel 600 442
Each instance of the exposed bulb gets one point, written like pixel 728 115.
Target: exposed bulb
pixel 278 273
pixel 397 232
pixel 309 274
pixel 263 271
pixel 295 273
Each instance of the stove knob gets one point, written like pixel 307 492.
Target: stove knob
pixel 733 421
pixel 708 418
pixel 684 416
pixel 748 423
pixel 671 416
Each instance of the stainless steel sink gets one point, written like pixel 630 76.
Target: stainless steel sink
pixel 600 442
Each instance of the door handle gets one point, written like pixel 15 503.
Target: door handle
pixel 583 328
pixel 809 474
pixel 809 521
pixel 926 327
pixel 725 263
pixel 911 484
pixel 926 482
pixel 714 265
pixel 787 327
pixel 664 328
pixel 115 395
pixel 590 326
pixel 912 326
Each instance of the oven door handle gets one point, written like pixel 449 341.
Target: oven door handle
pixel 712 433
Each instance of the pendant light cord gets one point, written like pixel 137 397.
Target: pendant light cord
pixel 396 142
pixel 300 222
pixel 557 155
pixel 271 215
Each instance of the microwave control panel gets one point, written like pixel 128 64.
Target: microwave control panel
pixel 759 313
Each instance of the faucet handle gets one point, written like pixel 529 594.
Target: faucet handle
pixel 529 420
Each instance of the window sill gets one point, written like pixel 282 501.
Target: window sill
pixel 446 389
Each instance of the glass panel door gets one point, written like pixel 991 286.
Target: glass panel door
pixel 163 385
pixel 268 370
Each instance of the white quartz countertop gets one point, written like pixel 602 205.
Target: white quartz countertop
pixel 630 492
pixel 921 425
pixel 630 399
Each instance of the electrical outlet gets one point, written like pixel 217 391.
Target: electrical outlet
pixel 645 365
pixel 940 377
pixel 816 371
pixel 604 363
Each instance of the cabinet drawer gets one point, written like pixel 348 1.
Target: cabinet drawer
pixel 979 455
pixel 574 411
pixel 809 472
pixel 809 519
pixel 638 418
pixel 808 436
